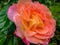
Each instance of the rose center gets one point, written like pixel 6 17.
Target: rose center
pixel 36 22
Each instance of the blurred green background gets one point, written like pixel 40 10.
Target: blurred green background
pixel 7 27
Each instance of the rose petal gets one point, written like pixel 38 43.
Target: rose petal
pixel 18 32
pixel 12 12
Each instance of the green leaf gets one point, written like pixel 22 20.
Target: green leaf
pixel 2 38
pixel 5 24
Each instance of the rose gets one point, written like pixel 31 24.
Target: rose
pixel 34 22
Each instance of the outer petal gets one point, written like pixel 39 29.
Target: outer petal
pixel 19 33
pixel 19 28
pixel 46 42
pixel 12 12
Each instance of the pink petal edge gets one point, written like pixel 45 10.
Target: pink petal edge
pixel 18 33
pixel 12 12
pixel 26 41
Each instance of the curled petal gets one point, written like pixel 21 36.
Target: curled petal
pixel 12 12
pixel 18 33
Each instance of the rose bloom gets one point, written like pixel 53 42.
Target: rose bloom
pixel 34 22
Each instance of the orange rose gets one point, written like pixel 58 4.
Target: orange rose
pixel 34 22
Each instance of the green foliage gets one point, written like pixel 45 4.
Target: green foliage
pixel 4 24
pixel 56 14
pixel 7 27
